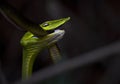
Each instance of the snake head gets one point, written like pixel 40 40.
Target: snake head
pixel 30 40
pixel 53 24
pixel 53 37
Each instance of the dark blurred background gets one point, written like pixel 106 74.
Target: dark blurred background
pixel 93 24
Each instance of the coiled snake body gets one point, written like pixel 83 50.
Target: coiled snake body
pixel 36 39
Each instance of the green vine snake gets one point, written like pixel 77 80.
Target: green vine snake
pixel 36 38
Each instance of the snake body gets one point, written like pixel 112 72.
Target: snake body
pixel 32 46
pixel 36 39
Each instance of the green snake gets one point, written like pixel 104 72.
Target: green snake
pixel 36 39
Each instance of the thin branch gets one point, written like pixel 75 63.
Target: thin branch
pixel 9 20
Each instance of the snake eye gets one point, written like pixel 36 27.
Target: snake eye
pixel 45 24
